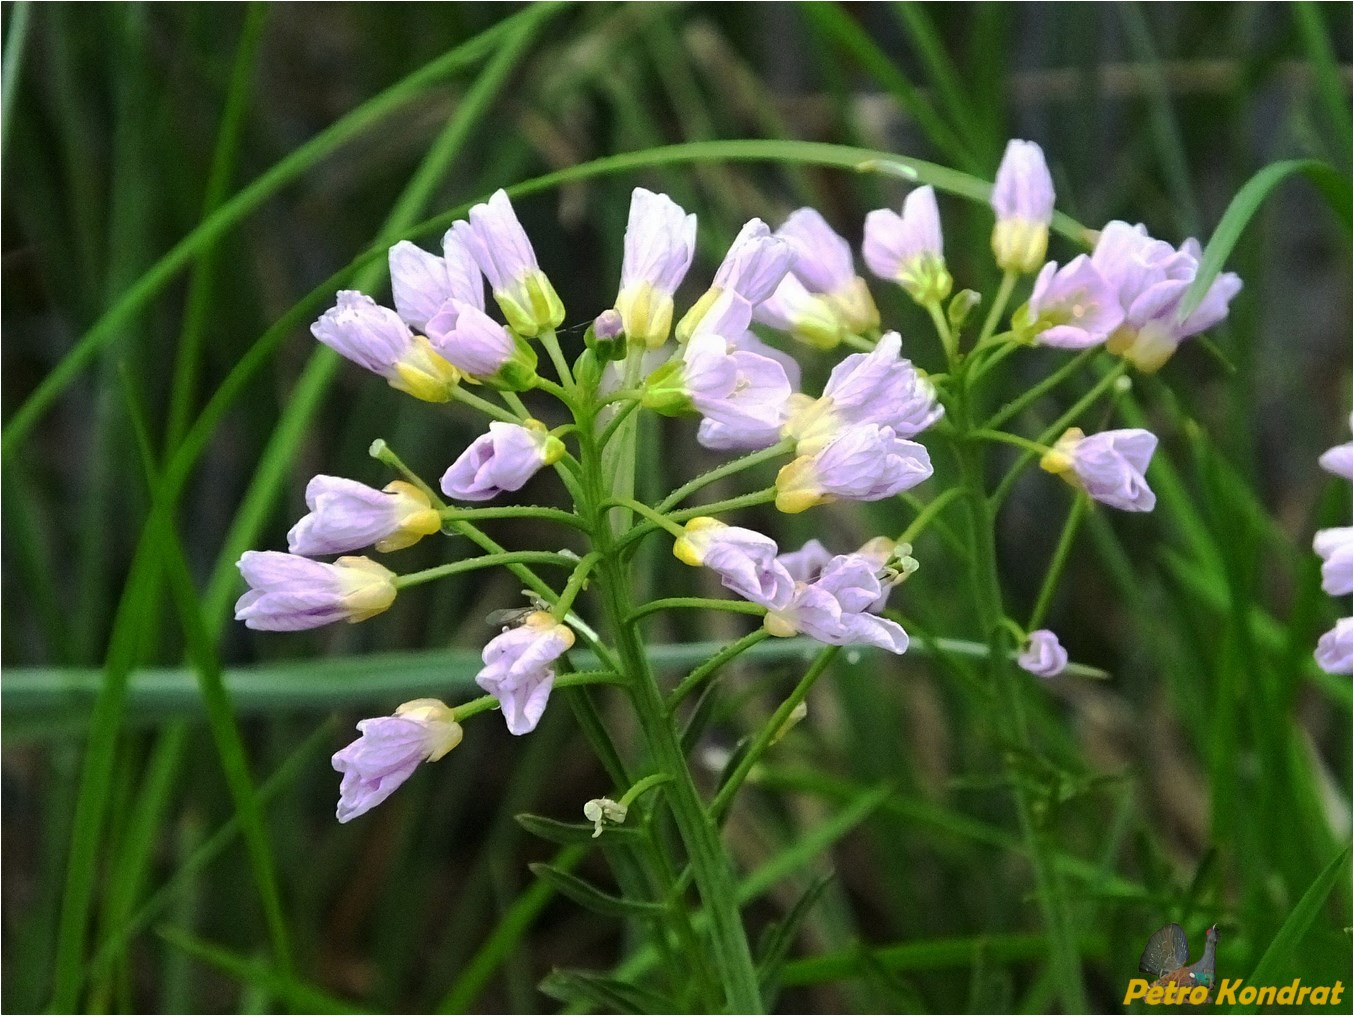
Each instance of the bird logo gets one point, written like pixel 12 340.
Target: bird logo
pixel 1167 954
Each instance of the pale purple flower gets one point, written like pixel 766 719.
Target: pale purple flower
pixel 1073 307
pixel 517 668
pixel 503 459
pixel 388 752
pixel 835 607
pixel 290 593
pixel 346 515
pixel 1043 655
pixel 864 462
pixel 498 243
pixel 660 241
pixel 750 342
pixel 806 563
pixel 824 264
pixel 1109 466
pixel 1022 197
pixel 421 282
pixel 806 316
pixel 1335 547
pixel 1339 460
pixel 908 248
pixel 608 325
pixel 823 259
pixel 744 560
pixel 884 388
pixel 755 263
pixel 1335 649
pixel 738 389
pixel 376 338
pixel 1150 279
pixel 473 342
pixel 751 270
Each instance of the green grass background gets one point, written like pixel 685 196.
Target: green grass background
pixel 185 187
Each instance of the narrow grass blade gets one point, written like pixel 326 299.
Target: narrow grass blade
pixel 1333 184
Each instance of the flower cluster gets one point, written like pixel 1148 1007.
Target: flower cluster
pixel 856 440
pixel 833 599
pixel 1335 546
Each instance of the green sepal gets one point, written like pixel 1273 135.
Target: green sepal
pixel 519 373
pixel 665 390
pixel 961 306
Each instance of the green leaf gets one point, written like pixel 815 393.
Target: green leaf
pixel 780 937
pixel 605 993
pixel 566 833
pixel 1332 184
pixel 585 894
pixel 1274 962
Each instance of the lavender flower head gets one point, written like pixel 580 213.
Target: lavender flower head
pixel 421 282
pixel 806 317
pixel 346 515
pixel 1043 655
pixel 503 459
pixel 1072 307
pixel 824 264
pixel 477 345
pixel 864 462
pixel 908 248
pixel 835 608
pixel 1150 279
pixel 1022 197
pixel 388 752
pixel 501 248
pixel 375 337
pixel 1335 547
pixel 752 269
pixel 1339 461
pixel 1335 649
pixel 660 241
pixel 1109 466
pixel 517 668
pixel 744 560
pixel 291 593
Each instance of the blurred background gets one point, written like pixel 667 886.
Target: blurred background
pixel 184 188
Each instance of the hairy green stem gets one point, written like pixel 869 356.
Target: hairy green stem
pixel 1010 713
pixel 1080 502
pixel 710 864
pixel 693 680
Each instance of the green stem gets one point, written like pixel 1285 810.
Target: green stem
pixel 576 679
pixel 693 680
pixel 640 508
pixel 693 603
pixel 728 469
pixel 622 414
pixel 515 403
pixel 947 339
pixel 652 780
pixel 1052 433
pixel 461 395
pixel 710 864
pixel 768 733
pixel 575 585
pixel 443 571
pixel 1034 394
pixel 558 391
pixel 928 513
pixel 713 508
pixel 1000 436
pixel 1080 502
pixel 551 343
pixel 1008 281
pixel 1010 713
pixel 522 511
